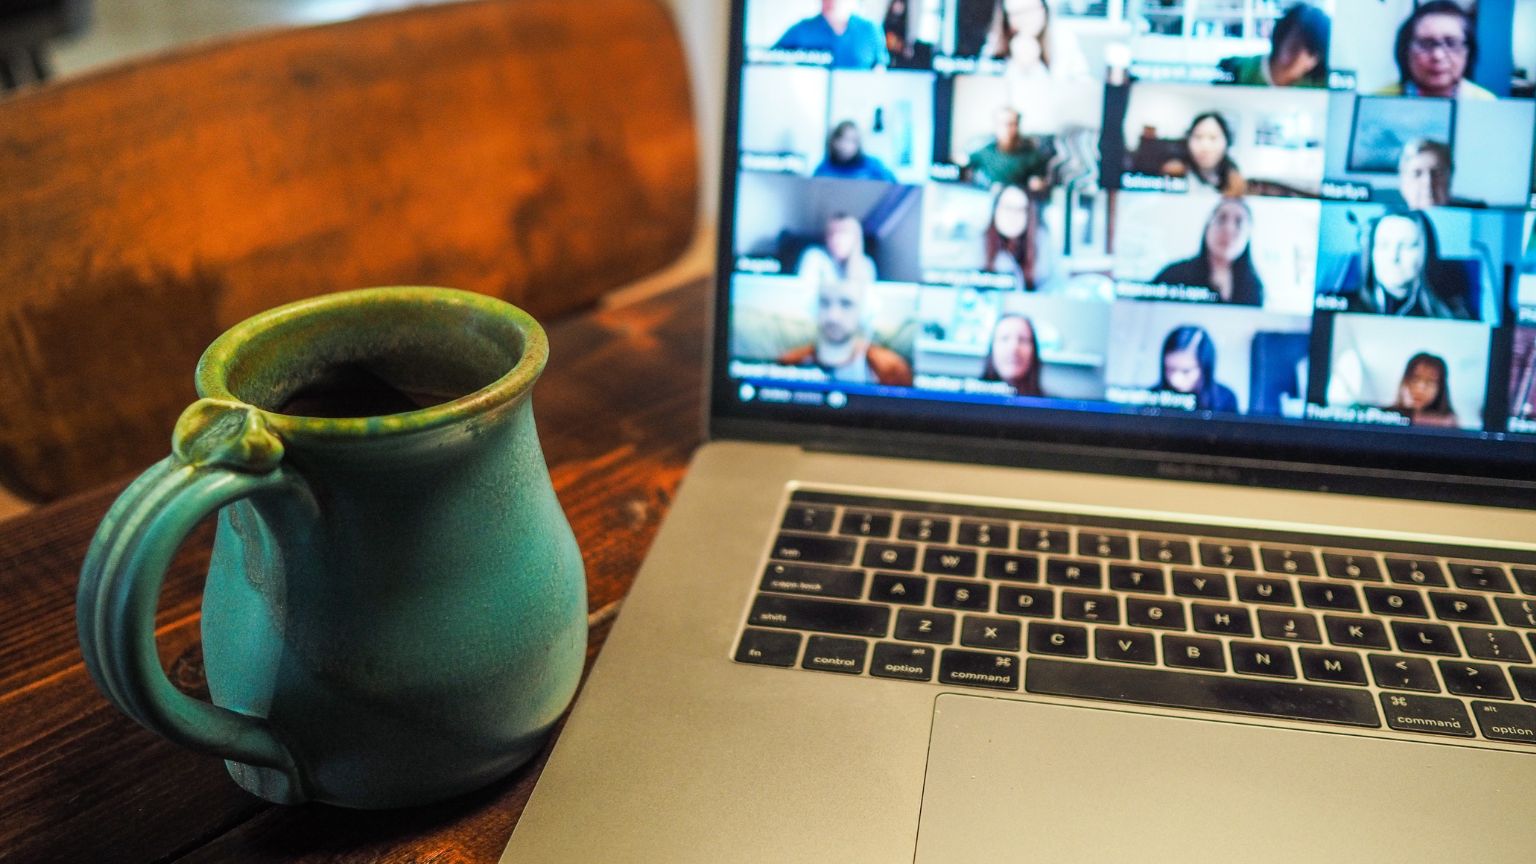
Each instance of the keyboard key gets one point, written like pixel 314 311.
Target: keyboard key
pixel 1461 607
pixel 768 647
pixel 1285 699
pixel 1193 583
pixel 1518 613
pixel 1097 608
pixel 1261 589
pixel 1103 544
pixel 998 634
pixel 1288 626
pixel 1227 556
pixel 1034 602
pixel 1328 595
pixel 924 529
pixel 1402 602
pixel 1334 667
pixel 1494 645
pixel 1020 568
pixel 990 534
pixel 826 616
pixel 1346 566
pixel 1475 679
pixel 1435 715
pixel 1227 620
pixel 1404 673
pixel 1074 573
pixel 1424 638
pixel 1128 577
pixel 1525 578
pixel 944 561
pixel 1257 658
pixel 1293 562
pixel 814 581
pixel 1481 577
pixel 1165 550
pixel 808 517
pixel 1525 683
pixel 899 588
pixel 866 523
pixel 1356 632
pixel 805 548
pixel 1193 652
pixel 924 625
pixel 1416 571
pixel 1054 541
pixel 976 669
pixel 975 596
pixel 1516 723
pixel 834 654
pixel 1061 639
pixel 890 556
pixel 1124 646
pixel 1167 614
pixel 911 662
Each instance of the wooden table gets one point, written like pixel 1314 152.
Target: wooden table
pixel 618 412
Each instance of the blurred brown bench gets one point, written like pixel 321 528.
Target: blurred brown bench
pixel 538 150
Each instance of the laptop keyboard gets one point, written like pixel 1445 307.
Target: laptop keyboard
pixel 1435 641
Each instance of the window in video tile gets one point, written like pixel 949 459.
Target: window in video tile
pixel 846 331
pixel 810 227
pixel 1406 372
pixel 1001 344
pixel 1440 263
pixel 1215 249
pixel 1208 358
pixel 1436 48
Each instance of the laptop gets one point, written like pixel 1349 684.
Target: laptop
pixel 1122 420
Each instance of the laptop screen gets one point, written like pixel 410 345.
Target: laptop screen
pixel 1243 227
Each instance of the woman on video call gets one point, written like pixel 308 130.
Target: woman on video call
pixel 1436 48
pixel 1402 260
pixel 1189 367
pixel 1014 357
pixel 1424 396
pixel 1016 242
pixel 1020 32
pixel 840 256
pixel 1225 261
pixel 1207 156
pixel 846 159
pixel 1298 54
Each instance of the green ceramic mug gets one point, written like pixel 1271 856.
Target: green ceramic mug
pixel 395 612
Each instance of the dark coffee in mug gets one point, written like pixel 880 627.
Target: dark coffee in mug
pixel 361 389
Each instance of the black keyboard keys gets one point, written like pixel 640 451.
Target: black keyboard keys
pixel 1330 596
pixel 924 529
pixel 923 625
pixel 1461 607
pixel 1435 715
pixel 1034 538
pixel 1144 580
pixel 1060 639
pixel 1342 565
pixel 979 669
pixel 1019 568
pixel 1259 658
pixel 899 588
pixel 1332 667
pixel 1356 632
pixel 1514 723
pixel 942 561
pixel 1124 646
pixel 1165 550
pixel 1225 620
pixel 1145 612
pixel 1074 573
pixel 1401 602
pixel 1194 583
pixel 1475 679
pixel 808 517
pixel 997 634
pixel 811 549
pixel 866 523
pixel 1103 544
pixel 1194 652
pixel 989 534
pixel 1416 571
pixel 1264 589
pixel 1292 562
pixel 1481 577
pixel 1032 602
pixel 1518 613
pixel 890 556
pixel 1404 673
pixel 1424 638
pixel 910 662
pixel 1503 645
pixel 835 654
pixel 768 647
pixel 972 596
pixel 1095 608
pixel 1227 556
pixel 813 581
pixel 1285 626
pixel 826 616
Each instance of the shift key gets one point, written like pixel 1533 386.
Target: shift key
pixel 822 616
pixel 811 549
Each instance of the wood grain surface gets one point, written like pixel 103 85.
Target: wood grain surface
pixel 538 150
pixel 618 412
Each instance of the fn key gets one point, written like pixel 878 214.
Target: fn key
pixel 768 647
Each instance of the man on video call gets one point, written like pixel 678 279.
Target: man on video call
pixel 854 42
pixel 1010 159
pixel 841 347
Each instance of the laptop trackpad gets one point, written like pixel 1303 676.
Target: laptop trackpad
pixel 1012 781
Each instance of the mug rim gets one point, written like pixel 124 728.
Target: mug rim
pixel 212 376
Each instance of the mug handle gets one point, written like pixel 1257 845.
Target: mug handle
pixel 222 451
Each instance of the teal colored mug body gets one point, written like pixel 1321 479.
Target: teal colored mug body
pixel 395 612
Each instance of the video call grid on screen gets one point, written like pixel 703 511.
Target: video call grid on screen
pixel 1242 211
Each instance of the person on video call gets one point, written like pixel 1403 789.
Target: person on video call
pixel 1435 49
pixel 1298 53
pixel 1207 157
pixel 1424 174
pixel 1011 159
pixel 846 159
pixel 854 42
pixel 1016 241
pixel 1020 32
pixel 1402 260
pixel 1424 396
pixel 842 349
pixel 841 255
pixel 1189 367
pixel 1014 357
pixel 1225 261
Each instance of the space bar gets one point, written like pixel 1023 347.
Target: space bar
pixel 1285 699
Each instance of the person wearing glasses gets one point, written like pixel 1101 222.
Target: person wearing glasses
pixel 1436 47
